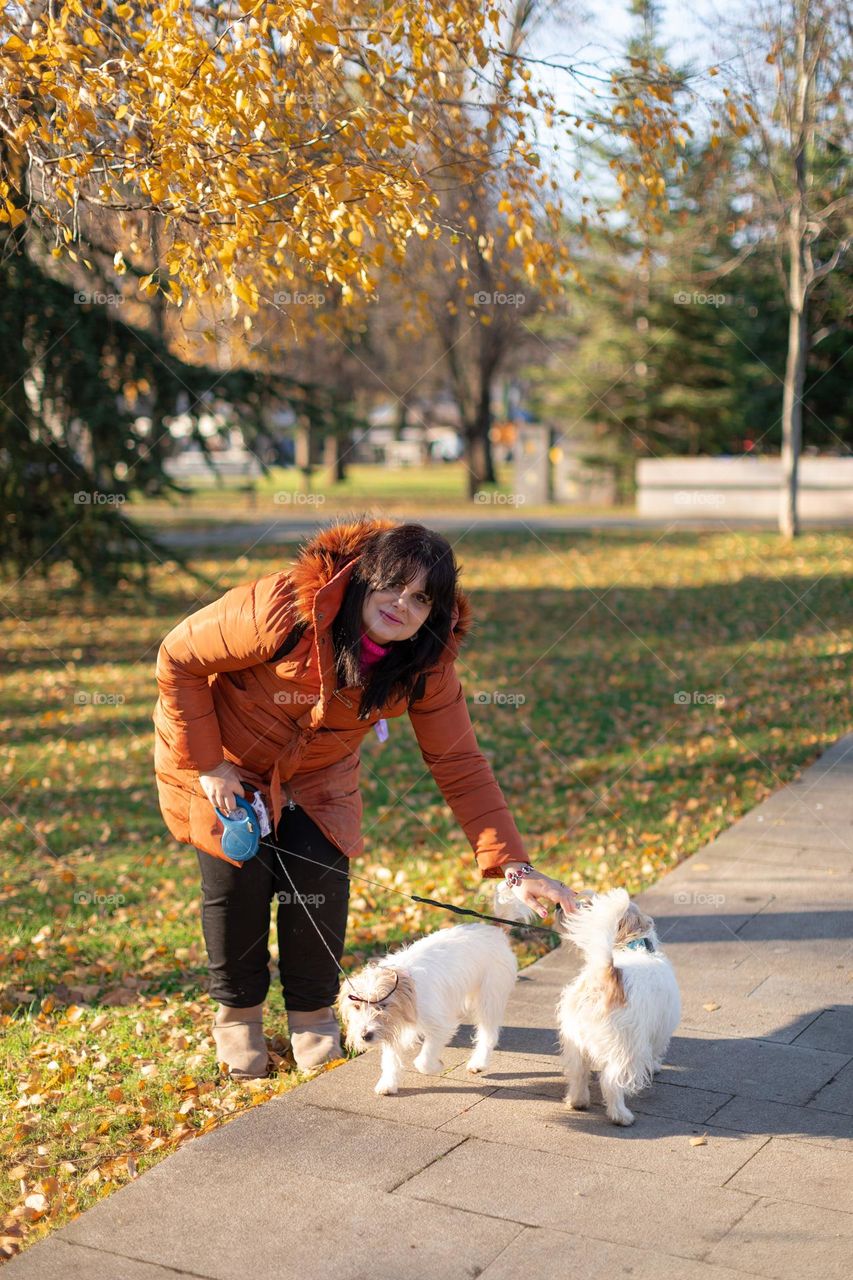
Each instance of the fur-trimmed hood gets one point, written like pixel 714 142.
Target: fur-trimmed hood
pixel 326 554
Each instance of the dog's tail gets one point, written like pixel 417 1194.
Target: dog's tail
pixel 592 927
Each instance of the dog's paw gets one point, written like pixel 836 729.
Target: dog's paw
pixel 623 1117
pixel 386 1088
pixel 476 1065
pixel 428 1066
pixel 577 1104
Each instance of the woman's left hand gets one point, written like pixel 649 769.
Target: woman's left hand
pixel 538 889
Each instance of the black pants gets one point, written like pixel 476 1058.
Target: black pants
pixel 235 917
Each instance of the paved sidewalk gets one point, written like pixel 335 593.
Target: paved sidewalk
pixel 254 533
pixel 491 1177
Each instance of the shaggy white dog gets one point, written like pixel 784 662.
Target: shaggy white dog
pixel 423 992
pixel 618 1015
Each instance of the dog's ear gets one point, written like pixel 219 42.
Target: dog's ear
pixel 405 998
pixel 343 1006
pixel 633 924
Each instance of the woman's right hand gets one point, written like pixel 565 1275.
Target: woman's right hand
pixel 221 786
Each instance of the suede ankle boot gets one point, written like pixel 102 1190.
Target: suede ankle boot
pixel 239 1036
pixel 315 1037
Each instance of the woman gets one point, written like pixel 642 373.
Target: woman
pixel 270 691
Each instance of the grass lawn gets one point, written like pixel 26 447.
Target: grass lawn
pixel 582 645
pixel 282 494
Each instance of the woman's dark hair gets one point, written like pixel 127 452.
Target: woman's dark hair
pixel 393 557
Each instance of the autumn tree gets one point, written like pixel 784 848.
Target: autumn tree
pixel 269 147
pixel 799 198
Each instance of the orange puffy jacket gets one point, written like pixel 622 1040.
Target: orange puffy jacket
pixel 293 734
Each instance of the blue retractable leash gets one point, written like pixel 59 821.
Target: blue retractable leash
pixel 241 834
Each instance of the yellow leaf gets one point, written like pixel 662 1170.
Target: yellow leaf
pixel 244 292
pixel 91 37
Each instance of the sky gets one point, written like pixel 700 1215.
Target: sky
pixel 595 34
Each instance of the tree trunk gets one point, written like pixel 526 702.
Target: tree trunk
pixel 478 461
pixel 792 418
pixel 334 458
pixel 798 292
pixel 478 443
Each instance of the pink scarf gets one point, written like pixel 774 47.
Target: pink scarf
pixel 371 652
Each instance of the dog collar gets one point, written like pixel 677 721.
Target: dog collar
pixel 382 999
pixel 638 944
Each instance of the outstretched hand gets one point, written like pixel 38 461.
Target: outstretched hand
pixel 539 892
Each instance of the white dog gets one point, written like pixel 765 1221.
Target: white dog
pixel 618 1015
pixel 423 992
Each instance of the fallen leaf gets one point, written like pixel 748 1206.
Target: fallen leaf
pixel 700 1141
pixel 710 1006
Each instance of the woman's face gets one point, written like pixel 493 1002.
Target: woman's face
pixel 396 613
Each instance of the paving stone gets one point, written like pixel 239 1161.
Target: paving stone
pixel 511 1071
pixel 56 1259
pixel 746 885
pixel 284 1227
pixel 652 1144
pixel 763 1009
pixel 797 1171
pixel 540 1040
pixel 820 988
pixel 775 925
pixel 785 1241
pixel 753 1068
pixel 336 1143
pixel 423 1100
pixel 528 1071
pixel 832 1030
pixel 703 922
pixel 803 1124
pixel 790 848
pixel 677 1101
pixel 838 1094
pixel 537 1253
pixel 541 1189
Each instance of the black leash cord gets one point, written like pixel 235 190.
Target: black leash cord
pixel 468 911
pixel 412 897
